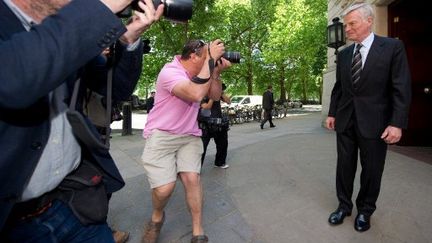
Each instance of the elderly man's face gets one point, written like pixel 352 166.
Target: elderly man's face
pixel 357 27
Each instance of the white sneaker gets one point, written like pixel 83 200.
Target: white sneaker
pixel 225 166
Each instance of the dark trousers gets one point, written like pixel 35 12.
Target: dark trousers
pixel 221 141
pixel 372 158
pixel 267 117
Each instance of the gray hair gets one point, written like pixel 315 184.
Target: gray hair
pixel 365 9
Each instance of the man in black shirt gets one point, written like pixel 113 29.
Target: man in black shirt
pixel 216 128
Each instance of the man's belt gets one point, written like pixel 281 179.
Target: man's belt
pixel 33 207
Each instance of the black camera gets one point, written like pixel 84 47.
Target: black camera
pixel 232 56
pixel 174 10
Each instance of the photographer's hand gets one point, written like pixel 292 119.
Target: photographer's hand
pixel 216 49
pixel 222 64
pixel 140 22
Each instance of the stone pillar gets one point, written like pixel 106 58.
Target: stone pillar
pixel 127 119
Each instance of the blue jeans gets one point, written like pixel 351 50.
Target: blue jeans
pixel 59 224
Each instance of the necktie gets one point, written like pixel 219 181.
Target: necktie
pixel 356 66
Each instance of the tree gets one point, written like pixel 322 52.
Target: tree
pixel 295 38
pixel 282 42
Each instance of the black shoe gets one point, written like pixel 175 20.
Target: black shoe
pixel 262 126
pixel 337 217
pixel 272 125
pixel 362 222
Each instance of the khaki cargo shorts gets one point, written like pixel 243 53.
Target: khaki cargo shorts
pixel 166 154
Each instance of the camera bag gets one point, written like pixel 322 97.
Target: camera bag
pixel 84 192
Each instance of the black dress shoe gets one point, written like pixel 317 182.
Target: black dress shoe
pixel 337 217
pixel 262 126
pixel 272 125
pixel 362 222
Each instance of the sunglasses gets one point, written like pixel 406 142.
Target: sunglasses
pixel 199 45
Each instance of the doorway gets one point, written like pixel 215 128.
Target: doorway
pixel 410 22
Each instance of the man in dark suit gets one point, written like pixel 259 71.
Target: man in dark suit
pixel 267 105
pixel 45 47
pixel 368 109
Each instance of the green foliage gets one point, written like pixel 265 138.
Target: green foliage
pixel 282 42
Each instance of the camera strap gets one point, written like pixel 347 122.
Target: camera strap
pixel 108 110
pixel 77 121
pixel 199 80
pixel 211 62
pixel 109 106
pixel 79 125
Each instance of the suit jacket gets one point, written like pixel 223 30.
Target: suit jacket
pixel 268 100
pixel 382 95
pixel 35 63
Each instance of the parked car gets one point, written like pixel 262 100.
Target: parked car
pixel 295 104
pixel 137 103
pixel 240 101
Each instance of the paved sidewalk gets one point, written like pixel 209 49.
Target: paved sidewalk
pixel 280 187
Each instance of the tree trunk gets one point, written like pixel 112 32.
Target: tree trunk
pixel 289 85
pixel 320 89
pixel 282 83
pixel 250 70
pixel 304 90
pixel 250 79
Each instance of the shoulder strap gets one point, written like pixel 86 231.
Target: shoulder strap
pixel 108 111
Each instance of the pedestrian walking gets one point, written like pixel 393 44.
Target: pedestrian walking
pixel 267 105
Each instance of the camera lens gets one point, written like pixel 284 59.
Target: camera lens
pixel 232 56
pixel 176 10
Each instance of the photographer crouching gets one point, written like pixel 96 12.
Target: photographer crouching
pixel 215 125
pixel 173 145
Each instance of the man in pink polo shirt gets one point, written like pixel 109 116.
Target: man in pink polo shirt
pixel 173 144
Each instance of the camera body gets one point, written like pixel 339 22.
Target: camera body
pixel 174 10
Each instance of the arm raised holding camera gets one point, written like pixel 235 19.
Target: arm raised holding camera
pixel 215 91
pixel 57 44
pixel 128 53
pixel 141 21
pixel 199 60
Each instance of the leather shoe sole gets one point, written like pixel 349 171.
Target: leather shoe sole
pixel 337 217
pixel 362 223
